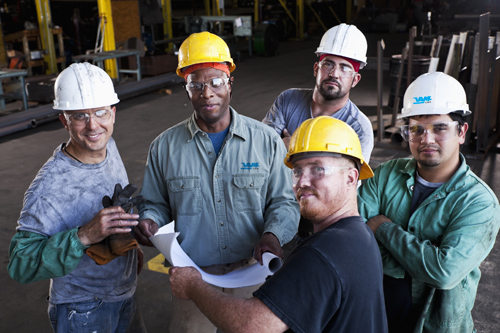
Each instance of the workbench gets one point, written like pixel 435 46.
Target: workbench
pixel 26 36
pixel 7 73
pixel 99 57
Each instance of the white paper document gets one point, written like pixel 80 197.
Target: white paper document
pixel 165 240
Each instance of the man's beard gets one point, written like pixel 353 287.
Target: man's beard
pixel 330 94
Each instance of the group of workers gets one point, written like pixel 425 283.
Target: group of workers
pixel 396 249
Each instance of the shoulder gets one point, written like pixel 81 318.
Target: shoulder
pixel 254 127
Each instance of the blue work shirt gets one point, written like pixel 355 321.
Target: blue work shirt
pixel 293 107
pixel 221 204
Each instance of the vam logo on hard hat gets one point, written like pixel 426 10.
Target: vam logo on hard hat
pixel 422 100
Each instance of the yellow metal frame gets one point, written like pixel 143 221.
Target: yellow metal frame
pixel 166 6
pixel 316 15
pixel 45 30
pixel 108 34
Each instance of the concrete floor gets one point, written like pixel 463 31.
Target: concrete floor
pixel 258 81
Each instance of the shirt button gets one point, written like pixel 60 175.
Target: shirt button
pixel 209 153
pixel 182 186
pixel 216 176
pixel 412 229
pixel 224 247
pixel 412 187
pixel 222 224
pixel 219 200
pixel 251 185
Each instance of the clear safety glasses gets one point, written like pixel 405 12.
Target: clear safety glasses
pixel 344 70
pixel 315 172
pixel 216 84
pixel 440 131
pixel 82 118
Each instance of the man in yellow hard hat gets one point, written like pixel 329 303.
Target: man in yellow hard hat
pixel 332 282
pixel 220 176
pixel 435 220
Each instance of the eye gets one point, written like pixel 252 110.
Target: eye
pixel 327 65
pixel 440 127
pixel 297 172
pixel 79 116
pixel 416 129
pixel 345 69
pixel 101 113
pixel 217 82
pixel 317 170
pixel 196 85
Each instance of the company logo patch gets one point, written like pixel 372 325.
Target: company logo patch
pixel 422 100
pixel 250 166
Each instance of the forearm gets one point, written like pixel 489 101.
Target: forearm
pixel 232 314
pixel 35 257
pixel 442 265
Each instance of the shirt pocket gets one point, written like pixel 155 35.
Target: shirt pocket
pixel 248 191
pixel 185 195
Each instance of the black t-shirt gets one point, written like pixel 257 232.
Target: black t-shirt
pixel 332 282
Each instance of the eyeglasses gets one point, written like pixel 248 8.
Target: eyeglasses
pixel 82 118
pixel 440 131
pixel 344 70
pixel 314 172
pixel 216 84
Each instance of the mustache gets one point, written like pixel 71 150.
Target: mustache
pixel 306 190
pixel 331 80
pixel 434 147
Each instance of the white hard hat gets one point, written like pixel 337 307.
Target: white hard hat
pixel 83 86
pixel 433 94
pixel 346 41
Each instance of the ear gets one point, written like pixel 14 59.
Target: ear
pixel 356 78
pixel 352 177
pixel 461 136
pixel 63 120
pixel 316 68
pixel 113 112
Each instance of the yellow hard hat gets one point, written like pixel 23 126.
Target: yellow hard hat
pixel 203 47
pixel 327 135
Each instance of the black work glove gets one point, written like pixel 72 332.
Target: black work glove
pixel 121 197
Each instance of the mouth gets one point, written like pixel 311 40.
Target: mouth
pixel 94 136
pixel 209 107
pixel 332 83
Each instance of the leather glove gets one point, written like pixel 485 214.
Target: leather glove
pixel 116 245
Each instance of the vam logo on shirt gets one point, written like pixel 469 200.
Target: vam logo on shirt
pixel 422 100
pixel 250 166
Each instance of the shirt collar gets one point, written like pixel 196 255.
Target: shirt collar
pixel 236 128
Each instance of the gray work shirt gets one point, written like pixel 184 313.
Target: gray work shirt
pixel 221 204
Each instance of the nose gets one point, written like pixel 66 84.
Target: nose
pixel 206 91
pixel 303 181
pixel 428 136
pixel 92 122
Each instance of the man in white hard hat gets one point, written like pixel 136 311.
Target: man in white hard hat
pixel 434 219
pixel 332 282
pixel 220 176
pixel 342 53
pixel 63 215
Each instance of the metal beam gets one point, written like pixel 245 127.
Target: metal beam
pixel 45 29
pixel 108 34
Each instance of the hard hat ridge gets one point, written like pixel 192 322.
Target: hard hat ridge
pixel 346 41
pixel 327 136
pixel 434 94
pixel 83 86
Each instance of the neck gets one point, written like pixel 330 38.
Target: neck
pixel 83 155
pixel 323 107
pixel 346 211
pixel 438 173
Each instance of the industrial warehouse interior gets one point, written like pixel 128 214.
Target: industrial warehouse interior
pixel 273 45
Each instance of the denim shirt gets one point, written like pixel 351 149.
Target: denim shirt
pixel 221 204
pixel 293 107
pixel 441 245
